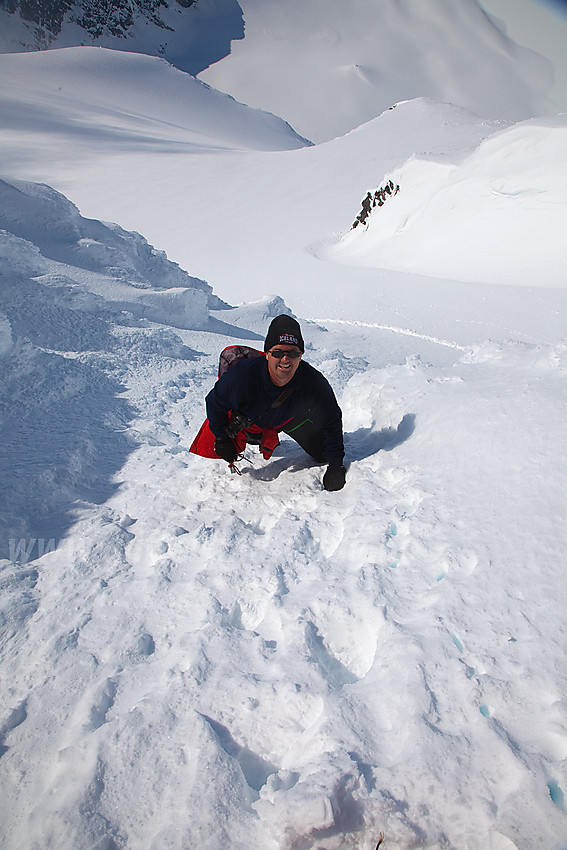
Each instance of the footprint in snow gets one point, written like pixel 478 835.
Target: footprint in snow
pixel 14 719
pixel 255 768
pixel 103 703
pixel 326 660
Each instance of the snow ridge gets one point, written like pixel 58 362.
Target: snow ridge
pixel 66 281
pixel 190 34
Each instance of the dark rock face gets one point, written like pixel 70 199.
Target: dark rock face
pixel 115 17
pixel 47 15
pixel 189 34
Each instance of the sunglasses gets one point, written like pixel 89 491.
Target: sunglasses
pixel 278 354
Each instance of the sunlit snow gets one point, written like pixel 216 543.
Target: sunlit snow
pixel 194 659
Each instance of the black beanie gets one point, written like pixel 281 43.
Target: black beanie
pixel 284 330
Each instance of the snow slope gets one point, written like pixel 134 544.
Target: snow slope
pixel 540 25
pixel 197 659
pixel 514 183
pixel 190 35
pixel 63 276
pixel 118 101
pixel 327 67
pixel 271 212
pixel 194 659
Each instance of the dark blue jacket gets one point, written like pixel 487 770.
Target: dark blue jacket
pixel 246 387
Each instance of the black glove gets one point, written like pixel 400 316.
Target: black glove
pixel 226 449
pixel 335 477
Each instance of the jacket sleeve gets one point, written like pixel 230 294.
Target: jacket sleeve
pixel 331 424
pixel 322 408
pixel 220 401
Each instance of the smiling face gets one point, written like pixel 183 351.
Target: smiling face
pixel 283 369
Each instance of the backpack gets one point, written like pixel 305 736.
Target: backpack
pixel 204 442
pixel 233 353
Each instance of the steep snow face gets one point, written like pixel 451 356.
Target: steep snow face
pixel 492 217
pixel 327 66
pixel 351 60
pixel 53 224
pixel 65 282
pixel 117 101
pixel 189 34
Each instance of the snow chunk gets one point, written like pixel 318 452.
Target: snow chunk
pixel 182 308
pixel 42 225
pixel 20 257
pixel 49 220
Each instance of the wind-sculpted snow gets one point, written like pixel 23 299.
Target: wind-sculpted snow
pixel 66 282
pixel 121 103
pixel 197 659
pixel 441 212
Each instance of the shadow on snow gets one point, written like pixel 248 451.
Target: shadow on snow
pixel 359 445
pixel 366 442
pixel 63 441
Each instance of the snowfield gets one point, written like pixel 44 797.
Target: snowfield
pixel 351 65
pixel 197 659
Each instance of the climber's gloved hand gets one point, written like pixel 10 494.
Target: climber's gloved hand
pixel 335 477
pixel 225 448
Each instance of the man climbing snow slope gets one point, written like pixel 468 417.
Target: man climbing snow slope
pixel 257 397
